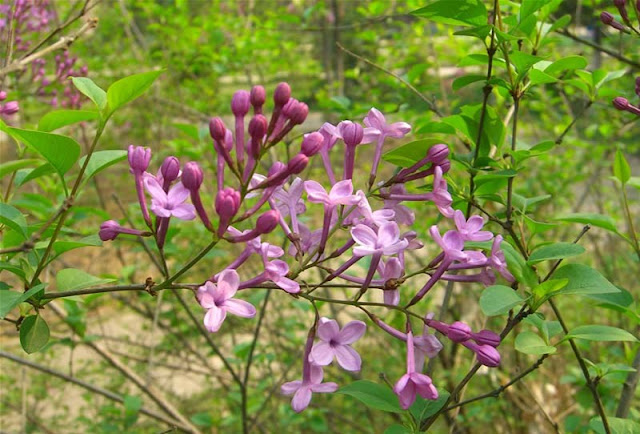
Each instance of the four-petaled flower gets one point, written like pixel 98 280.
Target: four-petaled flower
pixel 169 204
pixel 276 271
pixel 385 242
pixel 451 243
pixel 218 300
pixel 302 390
pixel 470 229
pixel 413 382
pixel 336 343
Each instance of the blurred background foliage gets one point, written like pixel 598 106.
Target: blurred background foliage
pixel 407 66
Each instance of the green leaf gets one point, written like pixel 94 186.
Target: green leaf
pixel 202 419
pixel 583 280
pixel 621 168
pixel 530 343
pixel 555 251
pixel 529 7
pixel 499 299
pixel 60 151
pixel 600 333
pixel 480 32
pixel 71 279
pixel 518 267
pixel 60 247
pixel 538 77
pixel 599 220
pixel 546 290
pixel 34 333
pixel 373 395
pixel 616 424
pixel 397 429
pixel 566 63
pixel 13 218
pixel 560 23
pixel 465 12
pixel 28 175
pixel 492 176
pixel 61 118
pixel 129 88
pixel 408 154
pixel 132 406
pixel 465 80
pixel 10 299
pixel 12 166
pixel 100 160
pixel 523 61
pixel 425 408
pixel 91 91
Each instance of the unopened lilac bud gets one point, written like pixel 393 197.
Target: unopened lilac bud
pixel 288 108
pixel 459 332
pixel 267 222
pixel 299 113
pixel 638 82
pixel 277 167
pixel 606 18
pixel 227 203
pixel 621 103
pixel 258 128
pixel 622 8
pixel 170 169
pixel 10 108
pixel 352 133
pixel 192 176
pixel 3 95
pixel 217 129
pixel 282 94
pixel 445 166
pixel 240 103
pixel 312 143
pixel 139 158
pixel 109 230
pixel 486 337
pixel 297 164
pixel 488 356
pixel 257 96
pixel 438 153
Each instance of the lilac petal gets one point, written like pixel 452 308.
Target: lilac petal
pixel 351 332
pixel 290 286
pixel 428 344
pixel 370 135
pixel 228 282
pixel 291 387
pixel 399 129
pixel 375 119
pixel 155 189
pixel 214 318
pixel 395 248
pixel 453 240
pixel 186 211
pixel 296 188
pixel 341 189
pixel 458 218
pixel 404 215
pixel 206 298
pixel 364 235
pixel 329 387
pixel 475 223
pixel 392 297
pixel 424 386
pixel 347 357
pixel 159 209
pixel 481 236
pixel 301 399
pixel 406 391
pixel 393 268
pixel 328 329
pixel 240 308
pixel 277 267
pixel 321 354
pixel 316 374
pixel 315 192
pixel 178 194
pixel 364 251
pixel 273 251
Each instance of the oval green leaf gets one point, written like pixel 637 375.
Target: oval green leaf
pixel 499 299
pixel 600 333
pixel 61 118
pixel 34 333
pixel 373 395
pixel 60 151
pixel 129 88
pixel 555 251
pixel 531 343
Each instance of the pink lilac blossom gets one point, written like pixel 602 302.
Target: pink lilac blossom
pixel 218 300
pixel 336 343
pixel 413 383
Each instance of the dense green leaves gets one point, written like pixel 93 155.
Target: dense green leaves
pixel 71 279
pixel 60 151
pixel 10 299
pixel 465 12
pixel 34 333
pixel 555 251
pixel 499 299
pixel 13 218
pixel 373 395
pixel 94 92
pixel 129 88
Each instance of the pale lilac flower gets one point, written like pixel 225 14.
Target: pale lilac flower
pixel 169 204
pixel 290 202
pixel 404 215
pixel 413 382
pixel 378 126
pixel 364 214
pixel 218 300
pixel 337 343
pixel 276 271
pixel 386 241
pixel 331 136
pixel 470 230
pixel 308 240
pixel 452 243
pixel 497 260
pixel 440 195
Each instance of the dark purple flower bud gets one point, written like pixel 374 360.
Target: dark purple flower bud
pixel 217 129
pixel 10 108
pixel 312 143
pixel 459 332
pixel 299 113
pixel 352 133
pixel 606 18
pixel 277 167
pixel 109 230
pixel 445 166
pixel 288 108
pixel 621 103
pixel 3 95
pixel 240 103
pixel 297 164
pixel 139 158
pixel 282 94
pixel 438 153
pixel 488 356
pixel 622 8
pixel 170 169
pixel 267 222
pixel 486 337
pixel 192 176
pixel 257 97
pixel 258 128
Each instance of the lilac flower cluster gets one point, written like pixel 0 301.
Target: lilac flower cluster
pixel 621 5
pixel 24 17
pixel 346 229
pixel 48 86
pixel 8 108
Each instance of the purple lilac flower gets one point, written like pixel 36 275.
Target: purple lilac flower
pixel 170 204
pixel 470 229
pixel 336 343
pixel 413 383
pixel 378 126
